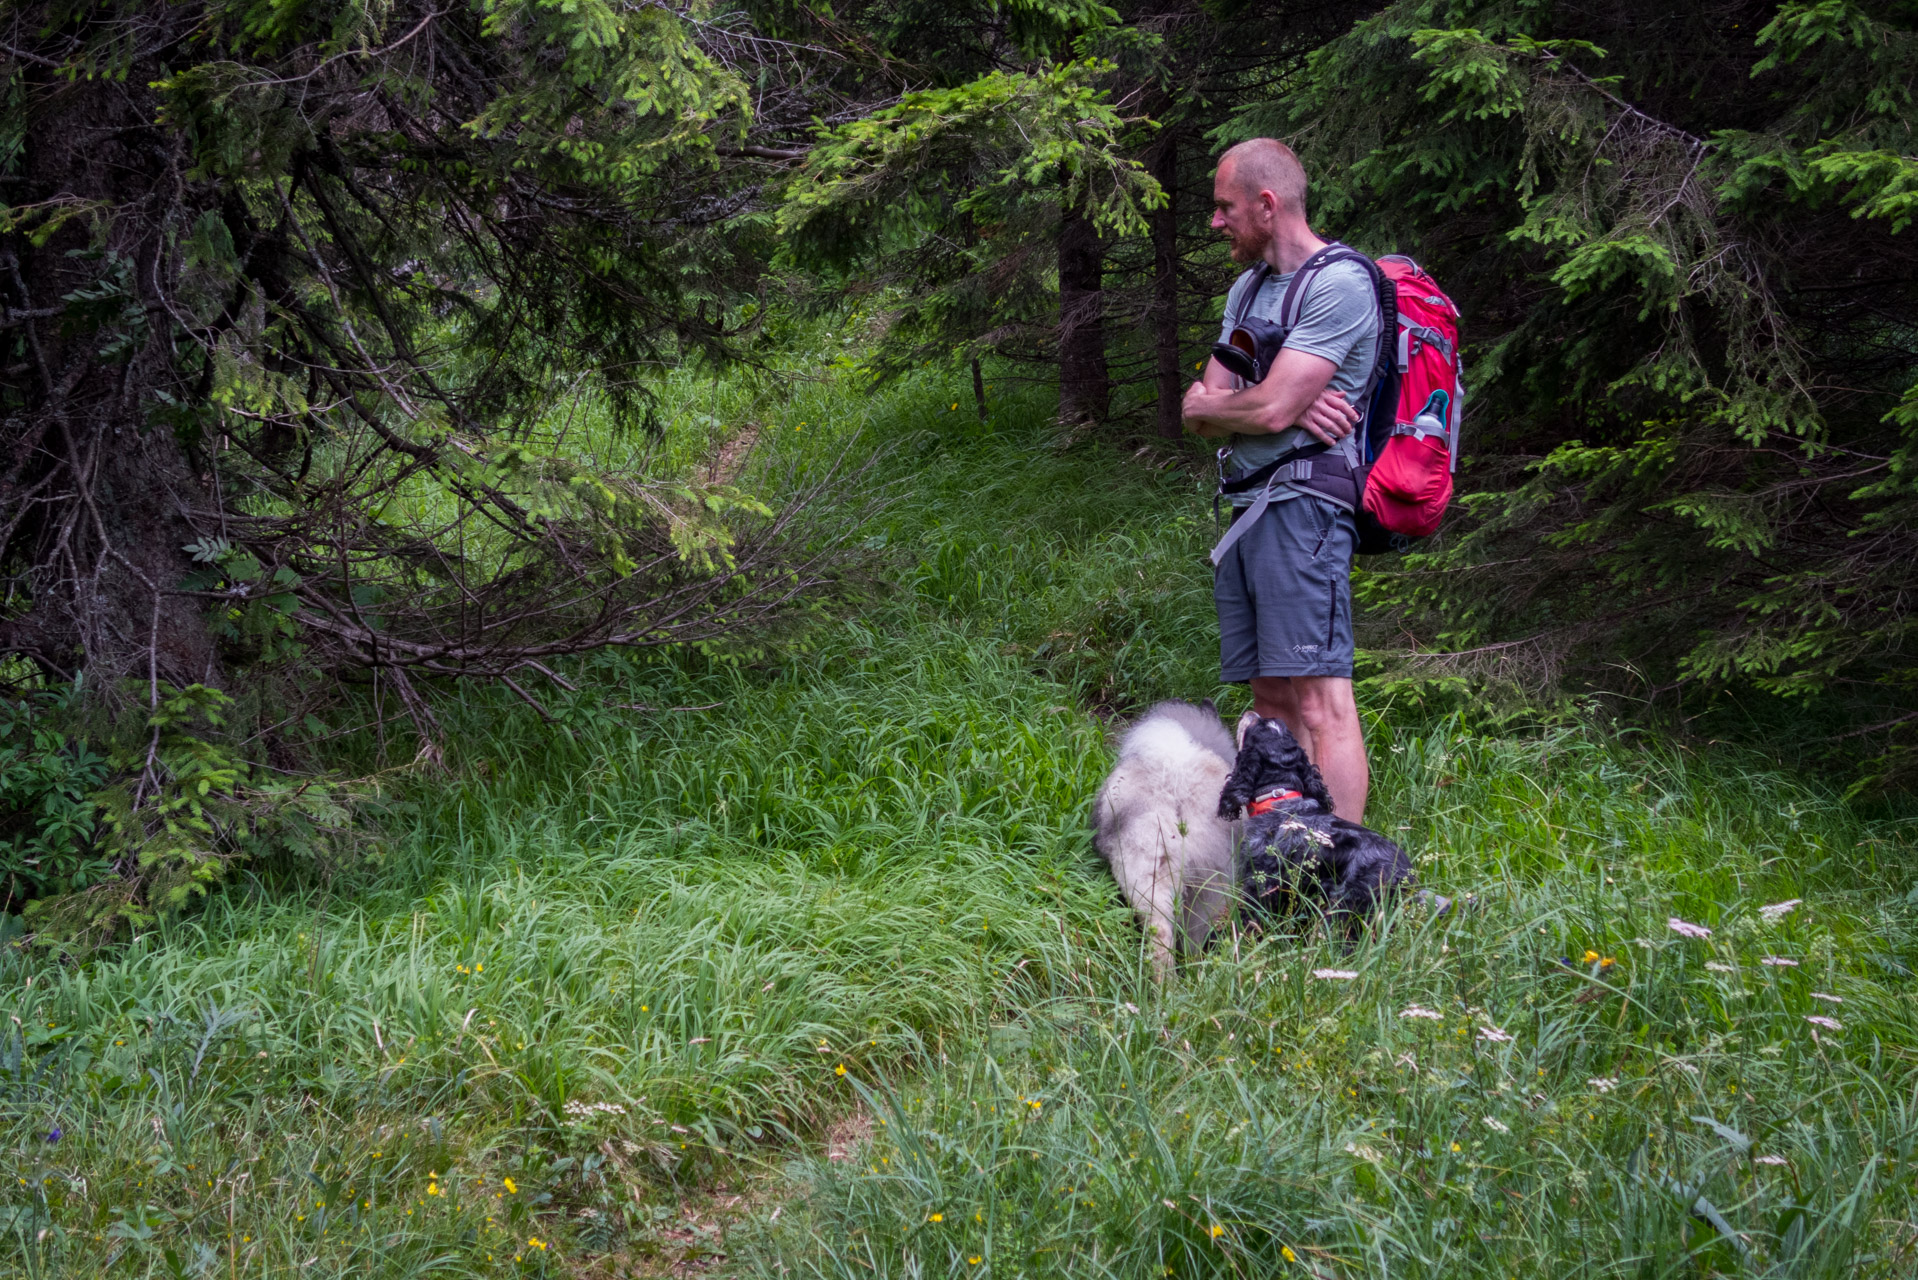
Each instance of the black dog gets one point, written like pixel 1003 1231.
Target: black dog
pixel 1293 848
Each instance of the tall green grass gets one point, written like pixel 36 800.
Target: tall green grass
pixel 1468 1095
pixel 734 897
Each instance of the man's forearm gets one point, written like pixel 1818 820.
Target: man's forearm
pixel 1296 382
pixel 1222 413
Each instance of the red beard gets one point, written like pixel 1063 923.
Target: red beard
pixel 1249 248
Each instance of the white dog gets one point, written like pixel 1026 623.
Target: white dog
pixel 1156 820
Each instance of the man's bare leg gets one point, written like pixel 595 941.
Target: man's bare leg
pixel 1322 714
pixel 1331 715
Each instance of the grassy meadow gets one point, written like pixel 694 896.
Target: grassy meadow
pixel 800 963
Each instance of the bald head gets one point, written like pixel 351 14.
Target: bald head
pixel 1265 164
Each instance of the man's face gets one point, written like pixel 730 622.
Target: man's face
pixel 1245 217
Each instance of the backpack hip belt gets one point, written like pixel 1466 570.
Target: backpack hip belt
pixel 1321 472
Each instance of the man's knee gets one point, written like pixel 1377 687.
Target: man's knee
pixel 1326 704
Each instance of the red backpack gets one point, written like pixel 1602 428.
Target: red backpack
pixel 1413 449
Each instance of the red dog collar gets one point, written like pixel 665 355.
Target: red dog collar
pixel 1266 804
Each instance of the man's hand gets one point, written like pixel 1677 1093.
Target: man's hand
pixel 1198 399
pixel 1330 418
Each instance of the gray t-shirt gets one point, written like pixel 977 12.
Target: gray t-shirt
pixel 1339 321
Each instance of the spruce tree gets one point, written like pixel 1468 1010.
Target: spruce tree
pixel 1681 240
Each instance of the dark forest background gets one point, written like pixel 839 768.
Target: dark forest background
pixel 295 293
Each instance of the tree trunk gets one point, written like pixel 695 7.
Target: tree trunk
pixel 1084 388
pixel 1165 289
pixel 95 486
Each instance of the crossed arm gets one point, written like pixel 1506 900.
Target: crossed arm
pixel 1296 392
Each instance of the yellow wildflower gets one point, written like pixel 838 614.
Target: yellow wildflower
pixel 510 1186
pixel 1285 1251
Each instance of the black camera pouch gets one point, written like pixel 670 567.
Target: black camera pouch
pixel 1250 349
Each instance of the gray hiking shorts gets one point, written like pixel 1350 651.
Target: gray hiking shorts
pixel 1284 593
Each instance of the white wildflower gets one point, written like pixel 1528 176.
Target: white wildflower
pixel 1716 967
pixel 1493 1034
pixel 1313 834
pixel 1414 1011
pixel 1820 1020
pixel 1778 910
pixel 1341 975
pixel 1779 962
pixel 1686 929
pixel 1828 999
pixel 1604 1084
pixel 1772 1160
pixel 1498 1126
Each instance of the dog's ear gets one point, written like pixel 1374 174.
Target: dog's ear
pixel 1240 786
pixel 1312 783
pixel 1208 706
pixel 1232 799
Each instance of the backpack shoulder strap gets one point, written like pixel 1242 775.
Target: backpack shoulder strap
pixel 1294 302
pixel 1308 272
pixel 1260 270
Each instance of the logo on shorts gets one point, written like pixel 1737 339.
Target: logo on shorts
pixel 1305 648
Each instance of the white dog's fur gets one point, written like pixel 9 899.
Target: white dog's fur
pixel 1156 820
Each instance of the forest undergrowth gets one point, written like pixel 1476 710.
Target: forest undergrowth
pixel 607 985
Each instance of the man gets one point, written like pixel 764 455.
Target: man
pixel 1283 589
